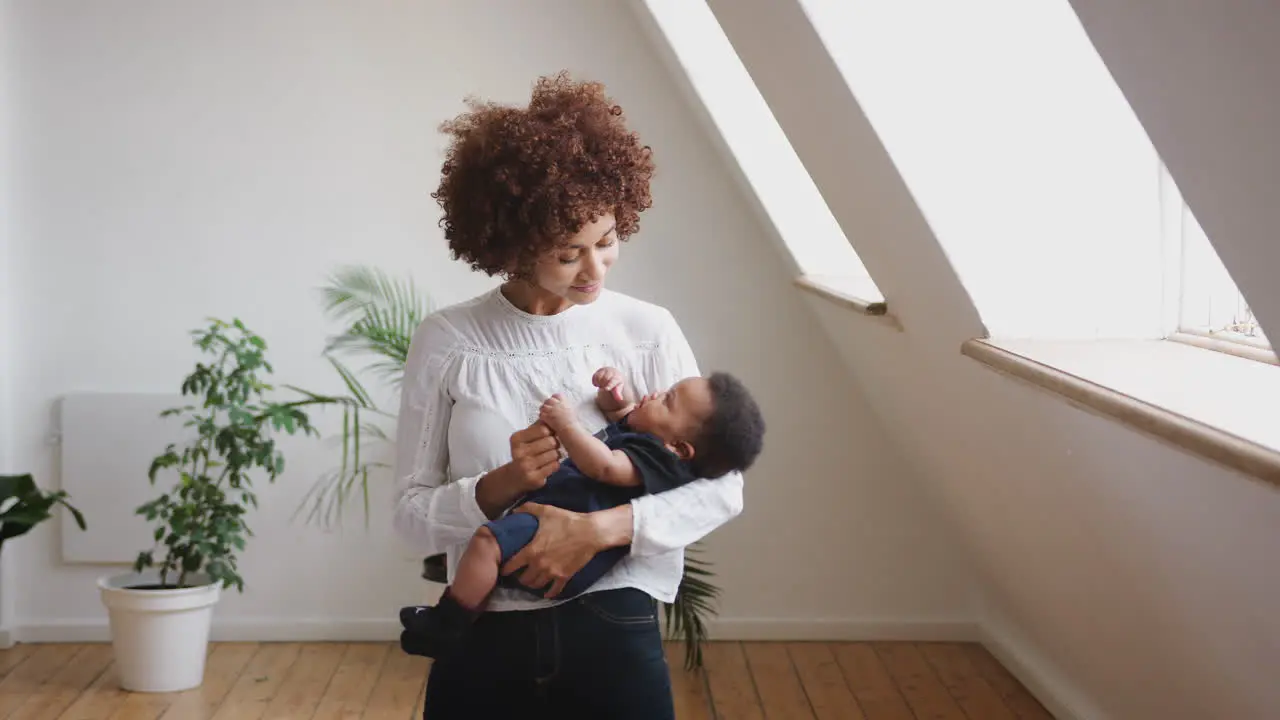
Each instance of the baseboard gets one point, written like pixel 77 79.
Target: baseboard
pixel 1040 675
pixel 846 630
pixel 249 630
pixel 372 630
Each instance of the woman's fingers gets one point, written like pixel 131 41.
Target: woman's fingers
pixel 534 575
pixel 556 587
pixel 517 561
pixel 537 447
pixel 548 460
pixel 534 469
pixel 534 432
pixel 534 579
pixel 543 461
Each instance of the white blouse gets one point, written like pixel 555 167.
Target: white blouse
pixel 478 371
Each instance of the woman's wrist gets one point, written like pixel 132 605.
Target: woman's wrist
pixel 613 527
pixel 496 491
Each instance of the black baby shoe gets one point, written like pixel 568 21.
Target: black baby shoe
pixel 435 631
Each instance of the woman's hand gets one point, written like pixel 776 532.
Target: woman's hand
pixel 565 541
pixel 535 454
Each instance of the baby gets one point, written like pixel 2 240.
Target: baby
pixel 702 427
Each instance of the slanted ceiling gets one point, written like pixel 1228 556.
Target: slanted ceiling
pixel 1201 77
pixel 1127 577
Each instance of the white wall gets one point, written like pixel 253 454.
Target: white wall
pixel 6 344
pixel 1138 580
pixel 186 160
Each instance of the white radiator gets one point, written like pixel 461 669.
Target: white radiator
pixel 107 443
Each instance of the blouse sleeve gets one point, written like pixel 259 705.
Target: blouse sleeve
pixel 679 517
pixel 431 514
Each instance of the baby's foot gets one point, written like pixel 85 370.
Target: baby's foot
pixel 435 631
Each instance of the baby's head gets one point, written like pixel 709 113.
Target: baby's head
pixel 711 422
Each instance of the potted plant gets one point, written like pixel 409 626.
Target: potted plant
pixel 23 506
pixel 379 316
pixel 161 612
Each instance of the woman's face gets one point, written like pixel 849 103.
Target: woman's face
pixel 575 270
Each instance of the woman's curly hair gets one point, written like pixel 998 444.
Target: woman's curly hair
pixel 518 181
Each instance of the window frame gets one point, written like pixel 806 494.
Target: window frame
pixel 1174 240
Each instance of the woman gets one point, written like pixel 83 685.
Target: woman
pixel 542 196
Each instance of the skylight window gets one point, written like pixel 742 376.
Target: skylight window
pixel 1206 301
pixel 1033 171
pixel 1022 154
pixel 758 144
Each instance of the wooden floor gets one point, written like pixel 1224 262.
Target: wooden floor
pixel 373 681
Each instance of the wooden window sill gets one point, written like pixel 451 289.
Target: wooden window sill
pixel 1258 352
pixel 852 293
pixel 1218 406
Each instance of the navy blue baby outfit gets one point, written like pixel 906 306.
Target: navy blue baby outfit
pixel 439 631
pixel 569 488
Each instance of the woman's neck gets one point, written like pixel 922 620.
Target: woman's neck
pixel 532 299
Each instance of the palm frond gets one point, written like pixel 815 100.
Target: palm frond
pixel 326 500
pixel 695 600
pixel 314 398
pixel 352 288
pixel 381 314
pixel 353 385
pixel 374 431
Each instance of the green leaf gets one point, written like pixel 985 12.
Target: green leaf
pixel 18 486
pixel 354 386
pixel 26 506
pixel 379 316
pixel 382 314
pixel 25 514
pixel 693 604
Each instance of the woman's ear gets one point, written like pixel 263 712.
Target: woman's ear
pixel 683 450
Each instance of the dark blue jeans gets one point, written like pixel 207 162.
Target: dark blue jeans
pixel 597 656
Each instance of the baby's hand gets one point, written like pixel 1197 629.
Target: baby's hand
pixel 610 381
pixel 557 413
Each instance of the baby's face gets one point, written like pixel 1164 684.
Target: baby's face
pixel 675 414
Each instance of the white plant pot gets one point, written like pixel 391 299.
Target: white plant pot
pixel 160 638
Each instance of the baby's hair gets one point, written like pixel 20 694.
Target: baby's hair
pixel 731 438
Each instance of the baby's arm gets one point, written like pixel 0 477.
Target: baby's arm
pixel 614 397
pixel 588 452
